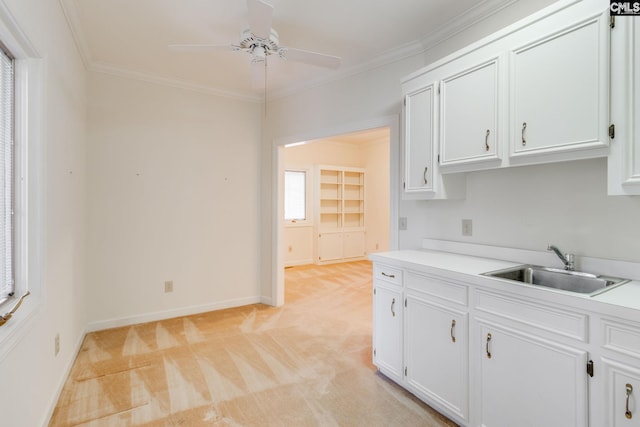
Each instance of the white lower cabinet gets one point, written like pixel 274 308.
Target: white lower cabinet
pixel 340 246
pixel 387 324
pixel 621 371
pixel 436 353
pixel 530 381
pixel 622 394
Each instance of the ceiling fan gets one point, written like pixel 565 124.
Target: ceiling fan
pixel 261 41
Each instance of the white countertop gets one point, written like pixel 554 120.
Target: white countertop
pixel 626 295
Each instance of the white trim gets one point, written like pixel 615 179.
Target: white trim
pixel 64 374
pixel 170 82
pixel 29 171
pixel 444 32
pixel 169 314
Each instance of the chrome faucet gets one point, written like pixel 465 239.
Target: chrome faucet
pixel 567 259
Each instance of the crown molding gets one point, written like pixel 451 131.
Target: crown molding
pixel 449 29
pixel 171 82
pixel 73 22
pixel 455 26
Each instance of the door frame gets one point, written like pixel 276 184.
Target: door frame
pixel 277 225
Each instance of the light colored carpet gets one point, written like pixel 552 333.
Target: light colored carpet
pixel 307 363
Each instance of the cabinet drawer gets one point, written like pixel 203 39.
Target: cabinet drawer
pixel 388 274
pixel 562 322
pixel 448 291
pixel 622 338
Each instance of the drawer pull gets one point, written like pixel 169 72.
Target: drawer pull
pixel 453 325
pixel 524 127
pixel 393 303
pixel 487 349
pixel 424 175
pixel 628 413
pixel 390 276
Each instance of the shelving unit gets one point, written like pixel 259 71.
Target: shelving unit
pixel 340 213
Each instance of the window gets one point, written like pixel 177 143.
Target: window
pixel 21 181
pixel 295 195
pixel 6 174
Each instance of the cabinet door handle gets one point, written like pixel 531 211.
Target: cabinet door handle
pixel 453 325
pixel 524 127
pixel 391 276
pixel 424 175
pixel 488 352
pixel 628 413
pixel 486 141
pixel 393 303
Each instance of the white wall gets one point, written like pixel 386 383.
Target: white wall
pixel 30 374
pixel 377 195
pixel 530 207
pixel 377 93
pixel 174 196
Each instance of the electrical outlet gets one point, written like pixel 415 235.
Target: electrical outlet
pixel 57 345
pixel 467 227
pixel 168 286
pixel 402 223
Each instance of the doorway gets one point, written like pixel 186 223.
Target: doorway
pixel 372 150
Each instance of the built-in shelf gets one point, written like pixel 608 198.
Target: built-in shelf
pixel 340 213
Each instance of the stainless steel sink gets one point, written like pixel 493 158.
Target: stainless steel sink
pixel 572 281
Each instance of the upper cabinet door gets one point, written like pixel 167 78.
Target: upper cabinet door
pixel 419 136
pixel 624 161
pixel 559 90
pixel 469 115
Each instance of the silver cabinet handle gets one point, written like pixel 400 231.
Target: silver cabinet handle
pixel 486 141
pixel 628 413
pixel 424 175
pixel 393 303
pixel 487 349
pixel 453 325
pixel 391 276
pixel 524 127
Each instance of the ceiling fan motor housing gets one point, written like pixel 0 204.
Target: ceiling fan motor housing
pixel 258 47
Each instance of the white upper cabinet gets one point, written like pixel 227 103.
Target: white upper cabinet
pixel 624 161
pixel 534 92
pixel 419 139
pixel 559 90
pixel 469 115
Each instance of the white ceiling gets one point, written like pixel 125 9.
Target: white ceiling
pixel 130 37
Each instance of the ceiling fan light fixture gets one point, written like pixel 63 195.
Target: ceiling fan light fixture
pixel 259 53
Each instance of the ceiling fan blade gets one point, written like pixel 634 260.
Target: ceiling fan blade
pixel 260 18
pixel 199 47
pixel 258 75
pixel 313 58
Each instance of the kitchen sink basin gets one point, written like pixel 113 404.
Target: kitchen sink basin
pixel 572 281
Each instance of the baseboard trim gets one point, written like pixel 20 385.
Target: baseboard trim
pixel 168 314
pixel 63 380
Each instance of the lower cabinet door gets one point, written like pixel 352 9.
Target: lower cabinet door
pixel 387 330
pixel 437 354
pixel 622 394
pixel 329 246
pixel 527 381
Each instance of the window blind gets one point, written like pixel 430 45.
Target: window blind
pixel 6 173
pixel 295 195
